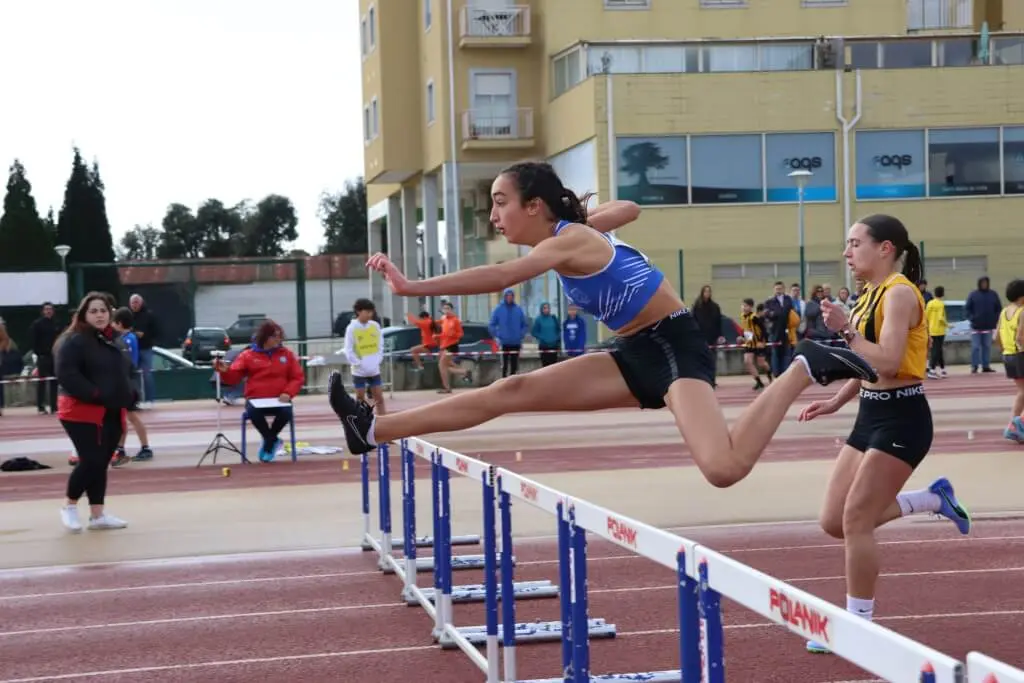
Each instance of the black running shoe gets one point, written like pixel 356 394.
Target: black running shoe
pixel 830 363
pixel 356 416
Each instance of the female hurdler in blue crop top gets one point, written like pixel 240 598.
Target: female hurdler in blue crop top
pixel 617 293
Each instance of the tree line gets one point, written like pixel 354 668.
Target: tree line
pixel 214 229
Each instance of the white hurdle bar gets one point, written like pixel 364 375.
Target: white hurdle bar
pixel 575 518
pixel 384 509
pixel 983 669
pixel 874 648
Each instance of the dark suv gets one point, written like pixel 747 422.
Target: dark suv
pixel 201 341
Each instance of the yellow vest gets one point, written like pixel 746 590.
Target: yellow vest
pixel 1008 325
pixel 868 316
pixel 935 312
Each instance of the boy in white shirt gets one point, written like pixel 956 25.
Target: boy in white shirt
pixel 364 349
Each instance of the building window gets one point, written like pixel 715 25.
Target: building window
pixel 788 152
pixel 567 71
pixel 726 169
pixel 963 162
pixel 796 57
pixel 367 125
pixel 723 3
pixel 374 117
pixel 430 102
pixel 627 4
pixel 1009 50
pixel 864 55
pixel 946 265
pixel 906 54
pixel 957 52
pixel 362 37
pixel 1013 160
pixel 718 58
pixel 372 26
pixel 427 18
pixel 890 164
pixel 652 170
pixel 632 59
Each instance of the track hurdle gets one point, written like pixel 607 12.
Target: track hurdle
pixel 384 505
pixel 874 648
pixel 575 518
pixel 983 669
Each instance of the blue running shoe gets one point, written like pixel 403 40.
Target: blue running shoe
pixel 1015 431
pixel 951 508
pixel 266 456
pixel 817 648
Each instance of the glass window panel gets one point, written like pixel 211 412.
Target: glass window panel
pixel 652 170
pixel 906 54
pixel 958 52
pixel 864 55
pixel 619 59
pixel 788 152
pixel 787 57
pixel 730 58
pixel 890 164
pixel 665 59
pixel 963 162
pixel 726 169
pixel 1013 159
pixel 1008 50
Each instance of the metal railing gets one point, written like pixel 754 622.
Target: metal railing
pixel 504 22
pixel 491 124
pixel 924 15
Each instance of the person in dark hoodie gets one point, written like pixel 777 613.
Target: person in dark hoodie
pixel 94 394
pixel 574 332
pixel 508 327
pixel 982 309
pixel 547 331
pixel 708 315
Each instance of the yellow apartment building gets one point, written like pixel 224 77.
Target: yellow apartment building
pixel 700 110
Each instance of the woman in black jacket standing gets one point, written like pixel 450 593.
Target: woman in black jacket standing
pixel 708 315
pixel 94 393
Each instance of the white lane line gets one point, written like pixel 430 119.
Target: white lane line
pixel 222 663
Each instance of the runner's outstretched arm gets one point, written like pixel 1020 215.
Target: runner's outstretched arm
pixel 547 255
pixel 612 215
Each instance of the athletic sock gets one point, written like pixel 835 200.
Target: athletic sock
pixel 914 502
pixel 807 366
pixel 861 607
pixel 370 433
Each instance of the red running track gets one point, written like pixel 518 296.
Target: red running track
pixel 332 616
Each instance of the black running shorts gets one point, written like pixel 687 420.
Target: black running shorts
pixel 894 421
pixel 656 356
pixel 1014 365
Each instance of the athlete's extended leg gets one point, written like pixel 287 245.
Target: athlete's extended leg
pixel 540 390
pixel 726 456
pixel 839 485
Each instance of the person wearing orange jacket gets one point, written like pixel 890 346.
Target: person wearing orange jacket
pixel 271 370
pixel 451 334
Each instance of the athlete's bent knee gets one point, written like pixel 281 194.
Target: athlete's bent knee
pixel 857 522
pixel 831 525
pixel 722 477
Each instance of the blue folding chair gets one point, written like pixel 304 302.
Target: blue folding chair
pixel 291 427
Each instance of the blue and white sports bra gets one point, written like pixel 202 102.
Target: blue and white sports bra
pixel 617 293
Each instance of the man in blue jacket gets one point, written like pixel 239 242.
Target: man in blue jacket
pixel 508 327
pixel 982 309
pixel 574 332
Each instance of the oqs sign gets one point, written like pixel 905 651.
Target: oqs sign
pixel 897 161
pixel 805 163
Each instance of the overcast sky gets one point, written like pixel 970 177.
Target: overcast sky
pixel 183 100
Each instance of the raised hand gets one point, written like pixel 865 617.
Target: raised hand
pixel 834 315
pixel 398 283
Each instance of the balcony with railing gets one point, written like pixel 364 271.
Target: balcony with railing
pixel 937 15
pixel 497 129
pixel 503 27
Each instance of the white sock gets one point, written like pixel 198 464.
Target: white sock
pixel 916 502
pixel 860 607
pixel 369 435
pixel 807 366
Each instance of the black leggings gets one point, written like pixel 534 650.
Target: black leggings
pixel 936 358
pixel 548 355
pixel 95 445
pixel 510 359
pixel 258 417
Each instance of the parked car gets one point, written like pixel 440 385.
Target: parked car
pixel 201 341
pixel 165 360
pixel 242 330
pixel 956 317
pixel 400 338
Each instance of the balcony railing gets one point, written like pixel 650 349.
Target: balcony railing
pixel 925 15
pixel 480 25
pixel 497 128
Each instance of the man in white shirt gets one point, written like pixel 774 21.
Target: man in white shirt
pixel 364 349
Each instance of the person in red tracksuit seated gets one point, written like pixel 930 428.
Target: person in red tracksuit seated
pixel 271 371
pixel 93 395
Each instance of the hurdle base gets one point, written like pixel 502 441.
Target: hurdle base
pixel 646 677
pixel 532 632
pixel 477 592
pixel 459 562
pixel 421 542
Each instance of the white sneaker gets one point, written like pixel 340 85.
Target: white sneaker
pixel 106 521
pixel 69 516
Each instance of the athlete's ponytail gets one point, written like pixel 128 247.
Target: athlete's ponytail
pixel 913 269
pixel 883 228
pixel 538 180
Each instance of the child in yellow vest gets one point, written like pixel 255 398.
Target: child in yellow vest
pixel 935 314
pixel 1011 339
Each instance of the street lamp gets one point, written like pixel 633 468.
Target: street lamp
pixel 801 177
pixel 63 250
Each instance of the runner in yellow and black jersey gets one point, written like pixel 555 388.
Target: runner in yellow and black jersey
pixel 755 350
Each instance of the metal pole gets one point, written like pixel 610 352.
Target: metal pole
pixel 800 238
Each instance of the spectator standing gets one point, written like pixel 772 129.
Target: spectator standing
pixel 11 362
pixel 147 330
pixel 923 286
pixel 547 331
pixel 816 328
pixel 574 332
pixel 508 327
pixel 708 315
pixel 982 309
pixel 776 314
pixel 43 334
pixel 129 344
pixel 935 314
pixel 364 349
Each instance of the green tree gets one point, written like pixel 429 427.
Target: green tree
pixel 83 226
pixel 139 244
pixel 269 227
pixel 343 216
pixel 25 243
pixel 221 229
pixel 180 236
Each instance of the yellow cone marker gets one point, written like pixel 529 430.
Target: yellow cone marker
pixel 225 471
pixel 344 464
